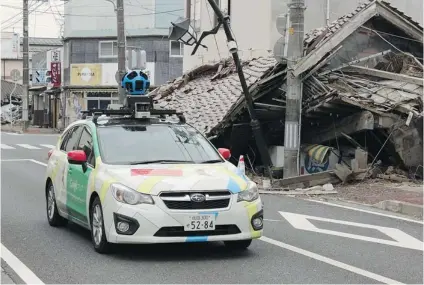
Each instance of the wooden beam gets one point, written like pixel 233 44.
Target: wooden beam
pixel 400 22
pixel 349 125
pixel 334 40
pixel 384 74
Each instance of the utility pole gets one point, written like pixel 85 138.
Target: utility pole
pixel 254 122
pixel 294 90
pixel 25 77
pixel 121 46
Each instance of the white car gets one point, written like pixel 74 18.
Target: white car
pixel 136 182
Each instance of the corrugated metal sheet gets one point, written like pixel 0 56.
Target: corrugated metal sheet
pixel 7 88
pixel 43 41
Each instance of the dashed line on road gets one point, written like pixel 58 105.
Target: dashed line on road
pixel 19 267
pixel 367 211
pixel 24 159
pixel 330 261
pixel 5 146
pixel 48 145
pixel 28 146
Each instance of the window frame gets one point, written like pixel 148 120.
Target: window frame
pixel 181 49
pixel 107 56
pixel 93 155
pixel 66 136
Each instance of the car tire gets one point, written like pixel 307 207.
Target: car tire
pixel 98 233
pixel 53 217
pixel 238 244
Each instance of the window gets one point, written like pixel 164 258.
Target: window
pixel 108 49
pixel 72 140
pixel 176 49
pixel 86 144
pixel 65 139
pixel 138 143
pixel 100 100
pixel 225 6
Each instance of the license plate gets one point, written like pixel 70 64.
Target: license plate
pixel 199 223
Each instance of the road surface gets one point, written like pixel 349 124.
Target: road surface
pixel 304 242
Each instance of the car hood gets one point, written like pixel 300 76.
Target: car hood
pixel 155 178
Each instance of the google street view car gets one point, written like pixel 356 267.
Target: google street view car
pixel 139 175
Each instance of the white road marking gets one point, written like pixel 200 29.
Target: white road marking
pixel 330 261
pixel 28 146
pixel 21 269
pixel 13 134
pixel 402 239
pixel 367 211
pixel 5 146
pixel 270 220
pixel 48 145
pixel 38 162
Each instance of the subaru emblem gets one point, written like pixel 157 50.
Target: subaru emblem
pixel 197 197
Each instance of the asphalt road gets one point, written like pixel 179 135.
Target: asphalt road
pixel 295 249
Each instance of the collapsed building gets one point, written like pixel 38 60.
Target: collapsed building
pixel 362 88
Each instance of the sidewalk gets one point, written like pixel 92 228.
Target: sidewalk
pixel 5 279
pixel 405 198
pixel 31 130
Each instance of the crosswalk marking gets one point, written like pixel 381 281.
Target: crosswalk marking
pixel 27 146
pixel 48 145
pixel 24 145
pixel 5 146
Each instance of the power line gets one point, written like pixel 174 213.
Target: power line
pixel 20 18
pixel 16 15
pixel 99 16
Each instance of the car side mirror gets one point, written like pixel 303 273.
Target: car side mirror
pixel 225 152
pixel 77 157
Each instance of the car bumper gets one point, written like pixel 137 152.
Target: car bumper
pixel 157 224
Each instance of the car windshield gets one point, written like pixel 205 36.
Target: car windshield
pixel 154 144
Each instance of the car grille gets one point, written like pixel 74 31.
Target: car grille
pixel 179 231
pixel 182 201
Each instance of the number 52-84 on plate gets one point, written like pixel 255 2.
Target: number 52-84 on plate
pixel 199 223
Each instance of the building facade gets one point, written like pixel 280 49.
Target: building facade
pixel 255 28
pixel 11 53
pixel 91 53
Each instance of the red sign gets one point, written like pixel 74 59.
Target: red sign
pixel 56 73
pixel 156 172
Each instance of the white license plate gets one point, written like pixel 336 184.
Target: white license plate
pixel 199 223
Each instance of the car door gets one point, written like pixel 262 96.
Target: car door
pixel 61 165
pixel 78 176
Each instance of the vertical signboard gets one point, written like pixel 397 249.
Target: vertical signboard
pixel 55 70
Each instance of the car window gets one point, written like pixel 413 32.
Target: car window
pixel 65 139
pixel 73 138
pixel 86 144
pixel 132 144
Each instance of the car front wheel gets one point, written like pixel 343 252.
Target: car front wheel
pixel 98 233
pixel 238 244
pixel 53 217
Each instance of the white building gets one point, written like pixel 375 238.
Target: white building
pixel 254 23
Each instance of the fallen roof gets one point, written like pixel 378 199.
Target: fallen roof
pixel 207 93
pixel 8 88
pixel 322 40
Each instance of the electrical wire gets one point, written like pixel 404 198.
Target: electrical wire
pixel 100 16
pixel 214 36
pixel 21 18
pixel 30 5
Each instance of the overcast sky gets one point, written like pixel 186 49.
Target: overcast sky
pixel 45 19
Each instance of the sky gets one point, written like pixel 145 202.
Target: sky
pixel 45 19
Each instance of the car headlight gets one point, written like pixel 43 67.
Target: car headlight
pixel 250 194
pixel 127 195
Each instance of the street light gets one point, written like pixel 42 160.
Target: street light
pixel 184 33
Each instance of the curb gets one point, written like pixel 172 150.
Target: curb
pixel 5 278
pixel 401 207
pixel 297 192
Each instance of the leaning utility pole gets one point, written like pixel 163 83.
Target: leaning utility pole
pixel 121 46
pixel 294 90
pixel 25 75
